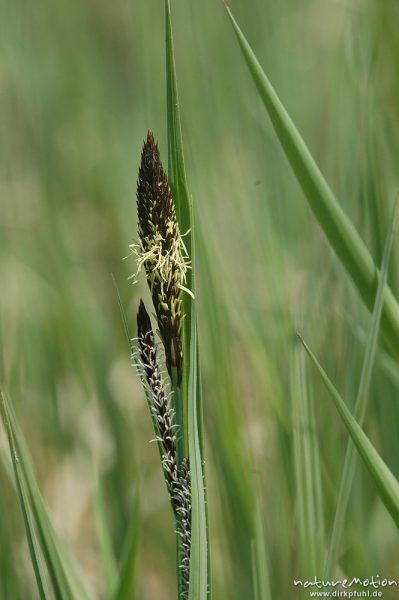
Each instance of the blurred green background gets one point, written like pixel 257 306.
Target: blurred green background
pixel 80 84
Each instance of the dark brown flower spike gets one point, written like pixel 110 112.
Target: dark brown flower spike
pixel 161 252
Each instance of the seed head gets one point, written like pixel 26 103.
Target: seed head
pixel 184 522
pixel 177 476
pixel 161 251
pixel 148 364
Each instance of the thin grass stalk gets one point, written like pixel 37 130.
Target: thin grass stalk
pixel 260 559
pixel 191 399
pixel 307 470
pixel 178 183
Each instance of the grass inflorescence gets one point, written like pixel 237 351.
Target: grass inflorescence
pixel 161 252
pixel 162 255
pixel 177 473
pixel 297 487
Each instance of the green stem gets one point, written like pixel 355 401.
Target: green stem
pixel 181 421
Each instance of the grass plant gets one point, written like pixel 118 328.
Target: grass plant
pixel 265 223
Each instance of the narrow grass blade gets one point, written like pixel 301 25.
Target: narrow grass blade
pixel 342 235
pixel 385 482
pixel 199 545
pixel 107 553
pixel 33 544
pixel 10 573
pixel 307 471
pixel 126 584
pixel 54 568
pixel 64 574
pixel 385 362
pixel 123 314
pixel 177 169
pixel 178 183
pixel 389 366
pixel 360 410
pixel 260 560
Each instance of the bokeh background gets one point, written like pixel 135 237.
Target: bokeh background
pixel 80 83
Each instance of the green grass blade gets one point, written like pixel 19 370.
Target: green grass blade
pixel 64 574
pixel 385 362
pixel 54 568
pixel 260 560
pixel 307 471
pixel 178 184
pixel 176 168
pixel 385 482
pixel 199 545
pixel 33 544
pixel 126 584
pixel 189 408
pixel 10 572
pixel 342 235
pixel 123 315
pixel 360 410
pixel 105 538
pixel 389 367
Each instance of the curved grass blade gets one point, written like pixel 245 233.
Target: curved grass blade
pixel 34 549
pixel 65 577
pixel 385 482
pixel 348 472
pixel 340 232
